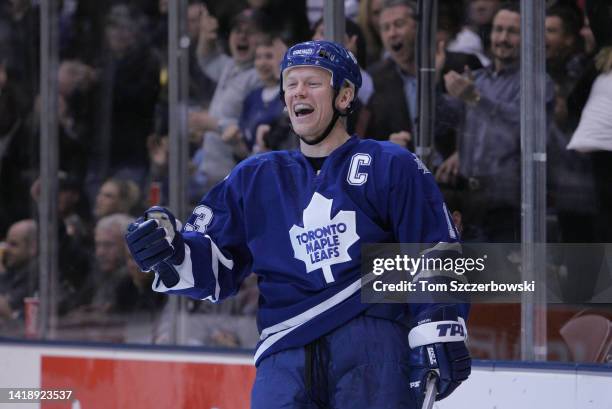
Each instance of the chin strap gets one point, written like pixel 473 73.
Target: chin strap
pixel 331 125
pixel 332 122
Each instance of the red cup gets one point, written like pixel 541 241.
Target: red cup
pixel 154 194
pixel 31 308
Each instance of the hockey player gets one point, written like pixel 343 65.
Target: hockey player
pixel 298 220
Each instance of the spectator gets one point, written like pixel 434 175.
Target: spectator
pixel 66 27
pixel 489 148
pixel 369 21
pixel 595 128
pixel 599 14
pixel 99 295
pixel 74 266
pixel 20 266
pixel 74 237
pixel 392 109
pixel 316 10
pixel 570 172
pixel 81 25
pixel 263 105
pixel 72 207
pixel 286 19
pixel 75 118
pixel 450 20
pixel 236 78
pixel 596 34
pixel 129 86
pixel 201 87
pixel 157 19
pixel 116 196
pixel 564 57
pixel 158 150
pixel 110 260
pixel 587 37
pixel 20 41
pixel 393 105
pixel 480 18
pixel 76 83
pixel 572 191
pixel 159 155
pixel 461 39
pixel 16 153
pixel 588 111
pixel 134 292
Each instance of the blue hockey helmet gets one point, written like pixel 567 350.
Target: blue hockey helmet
pixel 329 55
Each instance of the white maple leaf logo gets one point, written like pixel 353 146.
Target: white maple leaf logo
pixel 323 241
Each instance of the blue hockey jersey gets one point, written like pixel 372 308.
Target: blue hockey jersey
pixel 301 232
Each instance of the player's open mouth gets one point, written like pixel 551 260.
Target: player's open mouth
pixel 396 47
pixel 242 47
pixel 302 110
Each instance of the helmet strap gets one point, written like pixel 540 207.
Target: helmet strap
pixel 330 126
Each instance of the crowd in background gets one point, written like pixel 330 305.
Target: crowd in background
pixel 113 126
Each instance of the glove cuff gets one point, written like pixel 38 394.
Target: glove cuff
pixel 167 275
pixel 437 331
pixel 178 244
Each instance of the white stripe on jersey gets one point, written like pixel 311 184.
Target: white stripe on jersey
pixel 185 272
pixel 272 334
pixel 451 225
pixel 441 246
pixel 216 258
pixel 444 246
pixel 423 274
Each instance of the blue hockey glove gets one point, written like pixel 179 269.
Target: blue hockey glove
pixel 437 343
pixel 156 244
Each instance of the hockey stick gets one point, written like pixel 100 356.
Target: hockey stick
pixel 430 392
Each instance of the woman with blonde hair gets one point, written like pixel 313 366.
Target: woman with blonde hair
pixel 594 132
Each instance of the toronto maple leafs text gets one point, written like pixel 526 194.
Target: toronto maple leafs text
pixel 322 243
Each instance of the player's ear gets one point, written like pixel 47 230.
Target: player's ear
pixel 345 97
